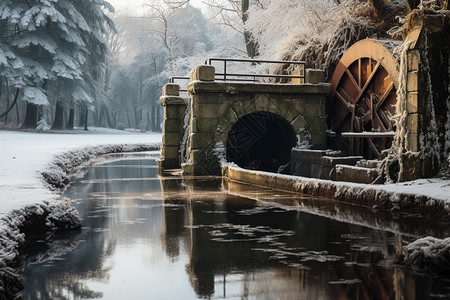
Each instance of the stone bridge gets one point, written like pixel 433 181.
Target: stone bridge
pixel 254 125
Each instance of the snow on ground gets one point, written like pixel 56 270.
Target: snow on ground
pixel 29 161
pixel 24 155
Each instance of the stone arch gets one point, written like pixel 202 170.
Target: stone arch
pixel 260 140
pixel 286 110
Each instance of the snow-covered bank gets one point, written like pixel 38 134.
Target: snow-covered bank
pixel 426 196
pixel 29 163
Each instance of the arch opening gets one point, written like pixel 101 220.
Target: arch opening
pixel 260 141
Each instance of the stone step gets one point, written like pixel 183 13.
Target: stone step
pixel 368 163
pixel 356 174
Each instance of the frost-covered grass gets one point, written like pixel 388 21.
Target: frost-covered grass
pixel 34 165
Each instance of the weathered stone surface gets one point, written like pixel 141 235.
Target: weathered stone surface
pixel 356 174
pixel 413 60
pixel 171 138
pixel 412 83
pixel 413 123
pixel 204 110
pixel 171 89
pixel 169 152
pixel 171 112
pixel 261 102
pixel 412 104
pixel 204 73
pixel 172 100
pixel 219 87
pixel 172 125
pixel 314 76
pixel 207 125
pixel 202 141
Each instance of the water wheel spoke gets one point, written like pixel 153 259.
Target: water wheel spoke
pixel 366 85
pixel 353 80
pixel 385 95
pixel 374 148
pixel 344 102
pixel 382 115
pixel 378 124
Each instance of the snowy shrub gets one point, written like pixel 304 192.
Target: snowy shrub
pixel 428 253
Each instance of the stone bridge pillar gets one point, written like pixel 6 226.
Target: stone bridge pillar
pixel 173 127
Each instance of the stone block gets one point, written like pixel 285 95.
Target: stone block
pixel 261 102
pixel 202 141
pixel 413 60
pixel 412 105
pixel 204 110
pixel 412 84
pixel 291 115
pixel 170 152
pixel 412 141
pixel 355 174
pixel 172 112
pixel 171 89
pixel 172 125
pixel 171 138
pixel 206 125
pixel 298 123
pixel 413 123
pixel 204 73
pixel 314 76
pixel 275 107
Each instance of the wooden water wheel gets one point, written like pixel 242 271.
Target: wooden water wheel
pixel 363 99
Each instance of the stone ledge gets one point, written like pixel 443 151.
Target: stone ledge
pixel 239 87
pixel 360 194
pixel 172 100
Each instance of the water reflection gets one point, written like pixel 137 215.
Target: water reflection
pixel 176 238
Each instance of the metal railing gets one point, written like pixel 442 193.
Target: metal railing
pixel 248 77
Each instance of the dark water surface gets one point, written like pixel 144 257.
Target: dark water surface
pixel 150 237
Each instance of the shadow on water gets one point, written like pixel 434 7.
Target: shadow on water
pixel 154 237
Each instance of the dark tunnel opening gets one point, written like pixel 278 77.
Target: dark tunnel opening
pixel 260 141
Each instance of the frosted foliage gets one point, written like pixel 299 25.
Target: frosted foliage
pixel 80 96
pixel 34 95
pixel 31 39
pixel 429 253
pixel 429 140
pixel 447 125
pixel 38 16
pixel 401 109
pixel 277 23
pixel 47 43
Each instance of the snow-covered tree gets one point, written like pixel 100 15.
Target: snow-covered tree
pixel 53 52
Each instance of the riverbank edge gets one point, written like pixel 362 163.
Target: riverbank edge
pixel 52 215
pixel 371 196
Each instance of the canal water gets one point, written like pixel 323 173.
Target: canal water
pixel 151 237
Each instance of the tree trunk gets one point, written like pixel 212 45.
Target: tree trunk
pixel 86 120
pixel 30 116
pixel 250 44
pixel 82 118
pixel 108 118
pixel 71 119
pixel 58 123
pixel 5 114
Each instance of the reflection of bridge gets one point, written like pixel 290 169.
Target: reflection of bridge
pixel 235 267
pixel 247 123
